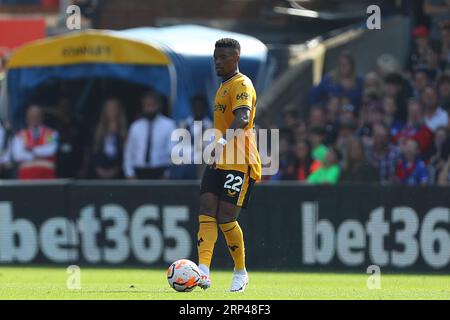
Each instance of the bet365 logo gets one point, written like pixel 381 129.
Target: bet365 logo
pixel 73 21
pixel 374 20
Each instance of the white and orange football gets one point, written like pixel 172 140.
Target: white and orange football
pixel 183 275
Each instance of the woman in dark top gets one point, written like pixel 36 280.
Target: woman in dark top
pixel 303 163
pixel 109 140
pixel 343 81
pixel 357 169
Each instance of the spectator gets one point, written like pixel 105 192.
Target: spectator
pixel 420 48
pixel 109 140
pixel 343 82
pixel 6 166
pixel 290 118
pixel 382 154
pixel 318 119
pixel 443 86
pixel 435 156
pixel 319 149
pixel 300 131
pixel 411 170
pixel 347 131
pixel 200 109
pixel 356 168
pixel 373 83
pixel 390 110
pixel 347 114
pixel 435 116
pixel 438 10
pixel 415 128
pixel 421 80
pixel 34 148
pixel 148 148
pixel 395 86
pixel 330 170
pixel 303 164
pixel 433 61
pixel 445 38
pixel 386 64
pixel 332 109
pixel 373 116
pixel 369 99
pixel 285 157
pixel 444 175
pixel 70 146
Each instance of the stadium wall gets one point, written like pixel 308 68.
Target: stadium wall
pixel 287 226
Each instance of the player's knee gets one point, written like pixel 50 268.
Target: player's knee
pixel 208 208
pixel 208 204
pixel 226 217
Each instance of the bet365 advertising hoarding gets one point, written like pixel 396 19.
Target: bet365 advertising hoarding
pixel 286 227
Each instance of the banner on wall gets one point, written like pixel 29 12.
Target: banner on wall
pixel 286 227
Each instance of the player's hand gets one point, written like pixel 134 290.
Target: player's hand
pixel 215 155
pixel 211 161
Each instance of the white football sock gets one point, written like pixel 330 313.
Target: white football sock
pixel 242 271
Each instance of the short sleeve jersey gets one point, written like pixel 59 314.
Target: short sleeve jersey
pixel 234 93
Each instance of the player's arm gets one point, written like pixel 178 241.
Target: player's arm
pixel 242 96
pixel 241 118
pixel 19 150
pixel 49 149
pixel 240 121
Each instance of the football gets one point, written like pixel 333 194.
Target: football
pixel 183 275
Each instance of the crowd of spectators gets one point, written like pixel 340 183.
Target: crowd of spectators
pixel 52 144
pixel 390 126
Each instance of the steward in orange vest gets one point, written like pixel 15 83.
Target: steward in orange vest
pixel 34 148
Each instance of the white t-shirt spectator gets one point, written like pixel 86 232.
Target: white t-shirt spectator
pixel 137 144
pixel 438 119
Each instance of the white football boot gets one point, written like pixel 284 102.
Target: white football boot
pixel 205 280
pixel 239 282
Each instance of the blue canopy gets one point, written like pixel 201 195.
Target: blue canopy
pixel 176 61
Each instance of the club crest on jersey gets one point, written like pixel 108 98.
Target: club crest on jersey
pixel 224 93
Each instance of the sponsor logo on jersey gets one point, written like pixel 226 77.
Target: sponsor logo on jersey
pixel 220 108
pixel 243 96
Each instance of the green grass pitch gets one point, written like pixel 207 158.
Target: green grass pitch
pixel 50 283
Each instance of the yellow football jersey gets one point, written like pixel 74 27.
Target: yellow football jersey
pixel 240 154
